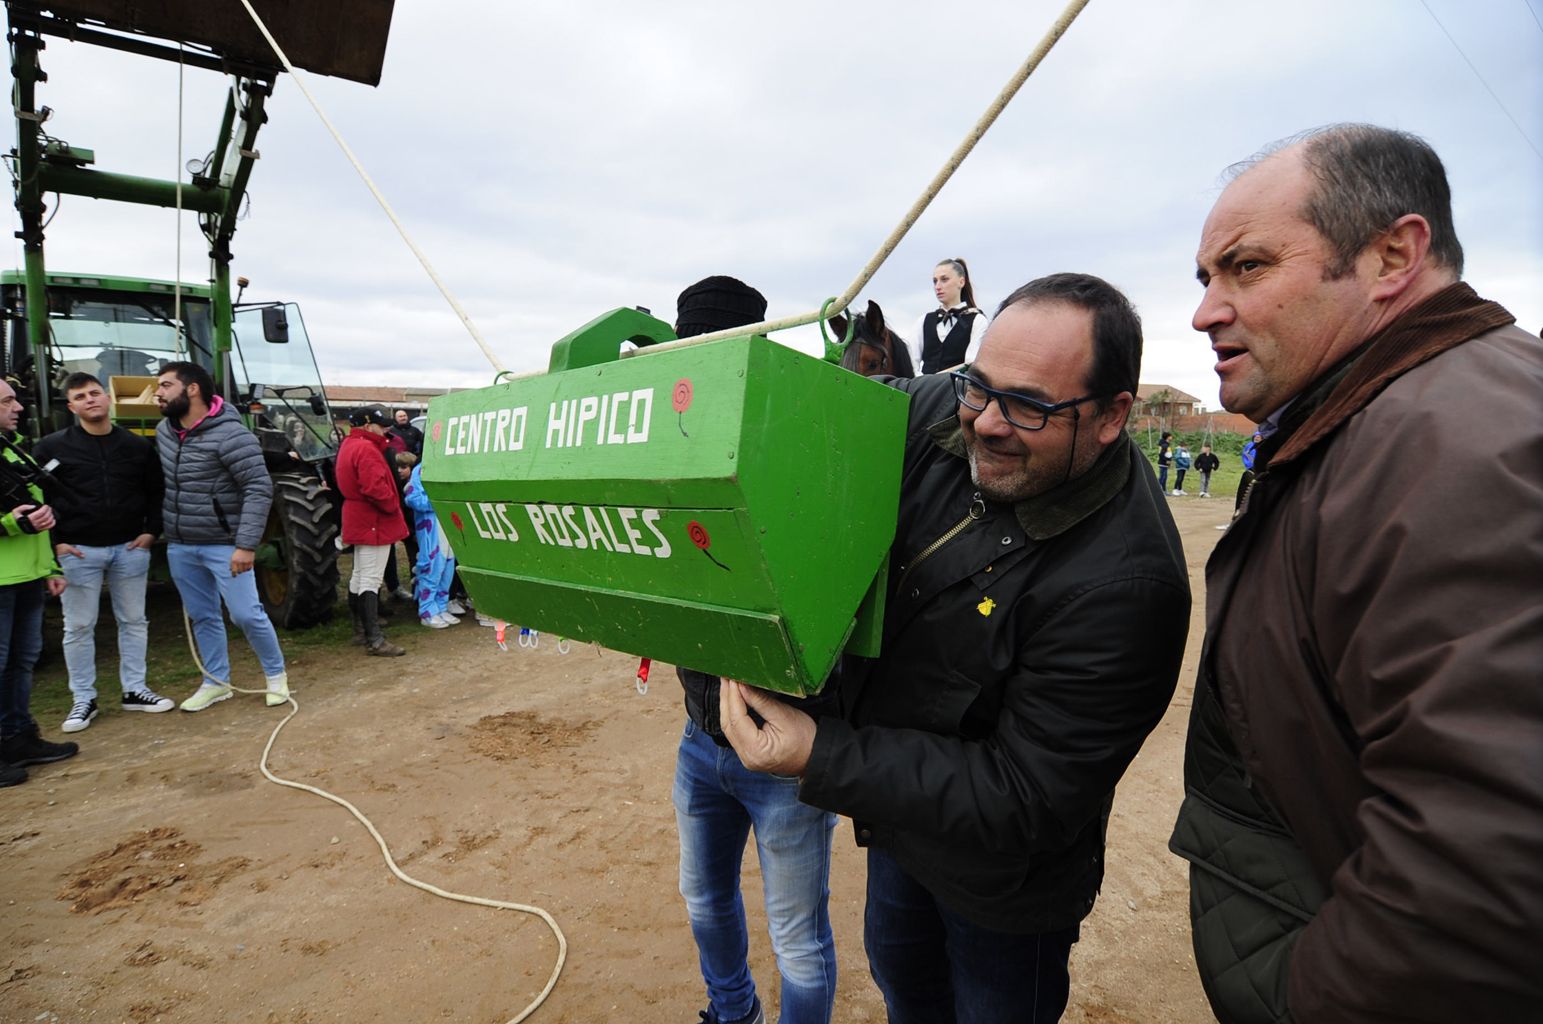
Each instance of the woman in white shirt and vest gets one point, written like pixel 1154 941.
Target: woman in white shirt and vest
pixel 949 335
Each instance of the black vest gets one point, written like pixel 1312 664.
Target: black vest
pixel 940 355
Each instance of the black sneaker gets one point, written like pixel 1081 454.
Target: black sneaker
pixel 80 716
pixel 144 700
pixel 12 775
pixel 757 1015
pixel 31 748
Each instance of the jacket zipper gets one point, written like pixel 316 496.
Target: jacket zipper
pixel 977 512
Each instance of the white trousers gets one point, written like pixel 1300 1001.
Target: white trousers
pixel 369 567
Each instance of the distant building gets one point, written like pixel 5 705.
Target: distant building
pixel 1164 402
pixel 1165 407
pixel 345 398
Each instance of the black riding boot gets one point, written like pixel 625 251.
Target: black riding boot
pixel 375 642
pixel 353 609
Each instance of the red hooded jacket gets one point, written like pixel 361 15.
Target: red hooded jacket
pixel 372 511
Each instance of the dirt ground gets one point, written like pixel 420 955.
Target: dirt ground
pixel 159 877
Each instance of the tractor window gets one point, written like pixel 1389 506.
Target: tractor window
pixel 287 370
pixel 276 364
pixel 111 335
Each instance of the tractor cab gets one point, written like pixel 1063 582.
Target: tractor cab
pixel 119 330
pixel 124 330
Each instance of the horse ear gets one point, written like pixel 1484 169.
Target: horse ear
pixel 875 319
pixel 838 323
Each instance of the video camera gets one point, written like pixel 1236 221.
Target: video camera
pixel 17 479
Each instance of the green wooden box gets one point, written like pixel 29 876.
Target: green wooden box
pixel 727 506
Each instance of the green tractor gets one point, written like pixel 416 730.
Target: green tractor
pixel 124 329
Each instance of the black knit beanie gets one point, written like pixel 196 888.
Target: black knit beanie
pixel 716 304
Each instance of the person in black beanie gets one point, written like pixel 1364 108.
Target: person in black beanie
pixel 718 802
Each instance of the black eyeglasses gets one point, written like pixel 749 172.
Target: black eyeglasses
pixel 1021 411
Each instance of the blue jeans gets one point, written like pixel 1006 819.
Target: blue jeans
pixel 21 641
pixel 717 801
pixel 202 575
pixel 1162 479
pixel 934 967
pixel 124 572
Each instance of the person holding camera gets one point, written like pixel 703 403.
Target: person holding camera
pixel 27 573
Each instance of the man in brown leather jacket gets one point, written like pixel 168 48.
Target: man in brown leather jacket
pixel 1364 810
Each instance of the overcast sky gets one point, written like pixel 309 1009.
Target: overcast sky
pixel 556 161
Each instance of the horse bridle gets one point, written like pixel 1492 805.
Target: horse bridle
pixel 884 357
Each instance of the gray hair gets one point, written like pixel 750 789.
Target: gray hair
pixel 1366 178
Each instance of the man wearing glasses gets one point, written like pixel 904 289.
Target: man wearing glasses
pixel 1034 629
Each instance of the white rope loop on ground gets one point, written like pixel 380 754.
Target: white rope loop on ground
pixel 385 851
pixel 1051 37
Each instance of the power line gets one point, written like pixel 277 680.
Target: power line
pixel 1534 14
pixel 1475 70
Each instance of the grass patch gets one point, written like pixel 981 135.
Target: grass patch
pixel 1228 448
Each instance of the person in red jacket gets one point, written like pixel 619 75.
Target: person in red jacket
pixel 372 523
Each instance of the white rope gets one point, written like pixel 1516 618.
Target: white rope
pixel 176 293
pixel 1051 37
pixel 385 851
pixel 370 184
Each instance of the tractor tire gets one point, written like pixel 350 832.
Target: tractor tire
pixel 297 566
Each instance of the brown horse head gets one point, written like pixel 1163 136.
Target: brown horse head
pixel 874 350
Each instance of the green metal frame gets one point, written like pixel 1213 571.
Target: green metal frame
pixel 728 506
pixel 216 196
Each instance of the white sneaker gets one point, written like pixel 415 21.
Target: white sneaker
pixel 455 608
pixel 278 689
pixel 435 622
pixel 486 620
pixel 448 619
pixel 80 716
pixel 205 695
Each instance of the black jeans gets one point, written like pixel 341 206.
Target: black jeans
pixel 21 641
pixel 934 967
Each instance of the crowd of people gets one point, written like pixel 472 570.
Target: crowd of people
pixel 1363 809
pixel 88 523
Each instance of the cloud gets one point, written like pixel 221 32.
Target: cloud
pixel 558 161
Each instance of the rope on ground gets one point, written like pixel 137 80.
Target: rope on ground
pixel 444 289
pixel 385 851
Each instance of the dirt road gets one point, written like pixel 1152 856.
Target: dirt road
pixel 159 877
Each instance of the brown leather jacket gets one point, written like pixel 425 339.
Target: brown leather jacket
pixel 1375 647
